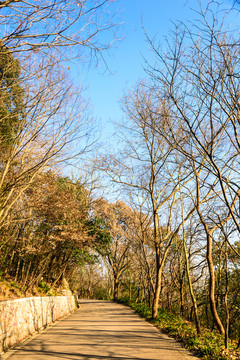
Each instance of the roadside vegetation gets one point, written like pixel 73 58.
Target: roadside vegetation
pixel 170 241
pixel 208 345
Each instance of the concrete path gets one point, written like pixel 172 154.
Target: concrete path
pixel 101 331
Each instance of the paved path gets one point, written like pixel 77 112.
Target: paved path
pixel 101 331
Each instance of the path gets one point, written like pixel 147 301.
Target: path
pixel 101 331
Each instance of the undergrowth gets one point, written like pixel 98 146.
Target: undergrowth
pixel 10 289
pixel 208 345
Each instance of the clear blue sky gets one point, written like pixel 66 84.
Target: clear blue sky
pixel 126 61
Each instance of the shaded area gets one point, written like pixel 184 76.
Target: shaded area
pixel 101 330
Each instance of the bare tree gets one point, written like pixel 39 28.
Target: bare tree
pixel 187 265
pixel 116 216
pixel 150 167
pixel 52 119
pixel 43 118
pixel 42 27
pixel 197 77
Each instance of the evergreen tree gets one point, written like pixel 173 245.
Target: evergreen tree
pixel 11 100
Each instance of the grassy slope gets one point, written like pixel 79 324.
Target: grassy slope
pixel 11 290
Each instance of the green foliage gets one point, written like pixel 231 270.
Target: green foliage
pixel 14 284
pixel 11 98
pixel 81 256
pixel 208 345
pixel 101 294
pixel 97 228
pixel 44 286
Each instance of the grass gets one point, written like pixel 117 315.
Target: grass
pixel 208 345
pixel 10 289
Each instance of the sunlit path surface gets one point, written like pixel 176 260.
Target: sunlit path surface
pixel 100 331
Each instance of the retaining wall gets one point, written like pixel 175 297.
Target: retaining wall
pixel 21 318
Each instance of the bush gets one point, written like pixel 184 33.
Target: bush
pixel 44 286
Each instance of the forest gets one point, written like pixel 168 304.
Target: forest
pixel 166 238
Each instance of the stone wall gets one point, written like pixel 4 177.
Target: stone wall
pixel 21 318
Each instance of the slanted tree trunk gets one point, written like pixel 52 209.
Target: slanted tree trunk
pixel 212 285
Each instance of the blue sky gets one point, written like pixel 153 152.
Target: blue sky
pixel 104 89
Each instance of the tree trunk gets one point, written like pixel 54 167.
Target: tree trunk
pixel 115 288
pixel 160 265
pixel 157 293
pixel 194 302
pixel 209 233
pixel 182 296
pixel 213 307
pixel 226 299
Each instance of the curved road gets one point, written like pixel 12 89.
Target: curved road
pixel 100 330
